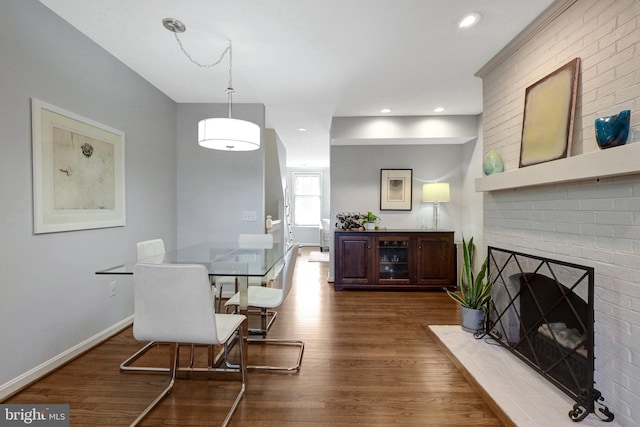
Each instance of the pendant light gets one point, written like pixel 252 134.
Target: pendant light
pixel 221 133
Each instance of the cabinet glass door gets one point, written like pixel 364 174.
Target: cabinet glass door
pixel 393 259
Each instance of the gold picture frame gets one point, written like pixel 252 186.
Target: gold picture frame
pixel 396 189
pixel 549 111
pixel 78 171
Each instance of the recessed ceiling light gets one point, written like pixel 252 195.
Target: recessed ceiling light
pixel 470 20
pixel 385 110
pixel 302 129
pixel 438 109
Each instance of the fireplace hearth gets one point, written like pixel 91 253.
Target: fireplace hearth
pixel 542 311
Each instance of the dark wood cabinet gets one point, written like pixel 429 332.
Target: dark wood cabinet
pixel 395 259
pixel 357 263
pixel 436 260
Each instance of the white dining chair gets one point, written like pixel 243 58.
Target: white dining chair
pixel 150 252
pixel 174 303
pixel 245 241
pixel 325 234
pixel 265 298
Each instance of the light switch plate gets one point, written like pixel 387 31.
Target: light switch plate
pixel 249 215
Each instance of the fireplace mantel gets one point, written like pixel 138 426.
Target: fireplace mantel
pixel 616 161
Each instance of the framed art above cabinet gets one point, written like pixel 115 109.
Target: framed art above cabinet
pixel 395 189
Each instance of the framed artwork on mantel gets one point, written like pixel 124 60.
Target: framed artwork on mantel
pixel 78 171
pixel 395 189
pixel 549 111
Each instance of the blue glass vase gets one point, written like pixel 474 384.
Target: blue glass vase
pixel 612 131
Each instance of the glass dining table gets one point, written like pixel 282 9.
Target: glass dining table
pixel 220 259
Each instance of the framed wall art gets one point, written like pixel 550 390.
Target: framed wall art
pixel 395 189
pixel 78 171
pixel 549 110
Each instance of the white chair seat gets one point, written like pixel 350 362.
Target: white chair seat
pixel 226 324
pixel 259 296
pixel 245 241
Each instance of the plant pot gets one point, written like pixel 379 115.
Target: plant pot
pixel 472 319
pixel 370 226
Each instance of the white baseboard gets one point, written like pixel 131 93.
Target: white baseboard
pixel 14 385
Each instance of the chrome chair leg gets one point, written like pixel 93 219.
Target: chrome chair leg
pixel 274 341
pixel 243 374
pixel 126 365
pixel 175 356
pixel 270 341
pixel 267 317
pixel 166 391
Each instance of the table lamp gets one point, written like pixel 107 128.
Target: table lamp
pixel 435 192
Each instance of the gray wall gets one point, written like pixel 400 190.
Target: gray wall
pixel 275 174
pixel 215 187
pixel 51 299
pixel 355 182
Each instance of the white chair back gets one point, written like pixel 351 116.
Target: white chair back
pixel 151 251
pixel 255 241
pixel 174 303
pixel 284 278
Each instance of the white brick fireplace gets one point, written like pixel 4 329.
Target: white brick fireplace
pixel 584 219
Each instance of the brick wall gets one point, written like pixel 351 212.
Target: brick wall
pixel 593 222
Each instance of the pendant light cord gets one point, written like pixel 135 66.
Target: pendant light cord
pixel 228 49
pixel 230 91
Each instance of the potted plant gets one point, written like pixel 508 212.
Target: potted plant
pixel 475 291
pixel 369 220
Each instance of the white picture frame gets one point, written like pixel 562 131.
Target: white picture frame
pixel 396 189
pixel 78 171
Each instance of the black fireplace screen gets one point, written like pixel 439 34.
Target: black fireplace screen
pixel 542 311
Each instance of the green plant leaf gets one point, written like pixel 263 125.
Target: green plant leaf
pixel 457 298
pixel 475 289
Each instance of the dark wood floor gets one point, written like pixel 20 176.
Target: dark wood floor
pixel 369 360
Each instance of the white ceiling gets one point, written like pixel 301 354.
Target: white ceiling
pixel 310 60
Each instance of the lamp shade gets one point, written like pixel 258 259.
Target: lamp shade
pixel 228 134
pixel 435 192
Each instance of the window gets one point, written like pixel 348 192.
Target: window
pixel 306 199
